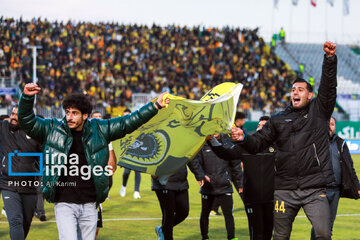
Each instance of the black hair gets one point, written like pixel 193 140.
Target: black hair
pixel 2 117
pixel 240 115
pixel 127 110
pixel 264 118
pixel 40 116
pixel 107 116
pixel 308 85
pixel 79 101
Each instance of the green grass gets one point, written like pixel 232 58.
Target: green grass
pixel 147 209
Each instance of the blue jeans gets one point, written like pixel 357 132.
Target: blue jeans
pixel 20 211
pixel 333 196
pixel 76 221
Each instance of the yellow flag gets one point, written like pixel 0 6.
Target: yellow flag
pixel 176 134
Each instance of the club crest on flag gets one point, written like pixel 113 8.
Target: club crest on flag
pixel 176 134
pixel 148 149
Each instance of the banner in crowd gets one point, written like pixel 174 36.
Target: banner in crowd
pixel 176 134
pixel 8 91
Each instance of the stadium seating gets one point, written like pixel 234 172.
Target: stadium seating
pixel 112 61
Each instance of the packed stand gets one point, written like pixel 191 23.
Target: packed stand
pixel 111 61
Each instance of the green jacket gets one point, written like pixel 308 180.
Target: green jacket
pixel 55 137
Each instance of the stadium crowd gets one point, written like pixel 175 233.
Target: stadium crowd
pixel 111 61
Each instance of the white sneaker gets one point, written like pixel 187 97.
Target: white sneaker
pixel 123 191
pixel 3 212
pixel 137 195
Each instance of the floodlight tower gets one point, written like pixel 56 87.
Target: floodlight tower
pixel 34 64
pixel 34 60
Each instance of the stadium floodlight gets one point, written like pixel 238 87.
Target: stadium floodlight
pixel 34 63
pixel 34 60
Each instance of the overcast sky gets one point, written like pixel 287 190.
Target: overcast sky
pixel 302 23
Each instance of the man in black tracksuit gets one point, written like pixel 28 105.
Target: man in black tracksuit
pixel 19 192
pixel 174 201
pixel 215 177
pixel 346 183
pixel 258 192
pixel 302 161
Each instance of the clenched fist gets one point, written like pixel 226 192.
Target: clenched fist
pixel 329 49
pixel 31 89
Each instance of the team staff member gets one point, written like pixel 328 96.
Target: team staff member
pixel 174 201
pixel 19 193
pixel 215 177
pixel 302 162
pixel 258 192
pixel 75 135
pixel 346 183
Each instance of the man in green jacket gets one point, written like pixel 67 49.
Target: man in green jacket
pixel 76 173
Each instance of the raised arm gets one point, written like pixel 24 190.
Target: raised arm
pixel 34 126
pixel 326 98
pixel 120 126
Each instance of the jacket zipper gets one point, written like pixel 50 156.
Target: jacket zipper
pixel 316 156
pixel 342 146
pixel 3 161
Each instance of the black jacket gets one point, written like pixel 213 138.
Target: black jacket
pixel 258 170
pixel 220 172
pixel 176 182
pixel 16 139
pixel 349 181
pixel 301 137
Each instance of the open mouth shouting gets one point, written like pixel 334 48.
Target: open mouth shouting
pixel 296 101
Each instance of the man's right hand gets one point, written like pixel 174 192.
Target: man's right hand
pixel 329 49
pixel 237 134
pixel 31 89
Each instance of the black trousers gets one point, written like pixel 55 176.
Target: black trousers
pixel 174 207
pixel 20 210
pixel 287 204
pixel 261 220
pixel 226 203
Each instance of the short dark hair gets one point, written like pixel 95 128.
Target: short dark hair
pixel 127 110
pixel 107 116
pixel 240 115
pixel 79 101
pixel 332 117
pixel 2 117
pixel 264 118
pixel 308 85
